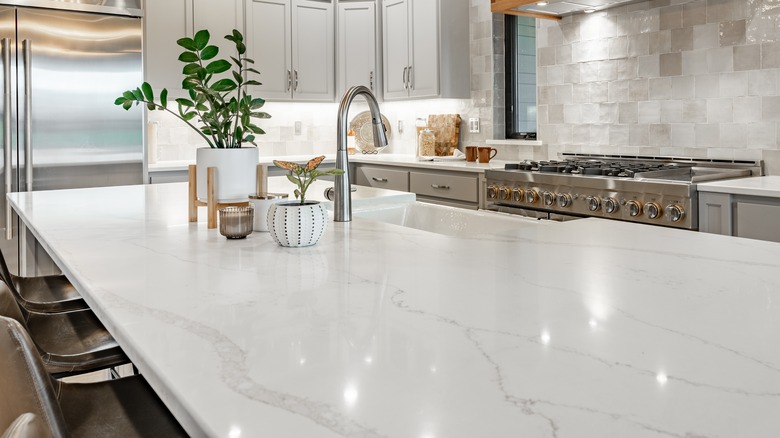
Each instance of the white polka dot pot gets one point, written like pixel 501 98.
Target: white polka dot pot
pixel 294 224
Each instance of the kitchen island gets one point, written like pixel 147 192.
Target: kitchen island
pixel 588 328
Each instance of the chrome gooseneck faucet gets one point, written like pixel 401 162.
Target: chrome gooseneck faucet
pixel 342 202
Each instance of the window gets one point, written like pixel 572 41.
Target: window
pixel 520 77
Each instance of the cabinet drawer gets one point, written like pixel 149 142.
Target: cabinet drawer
pixel 382 178
pixel 463 188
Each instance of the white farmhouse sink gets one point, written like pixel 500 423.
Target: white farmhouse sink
pixel 450 221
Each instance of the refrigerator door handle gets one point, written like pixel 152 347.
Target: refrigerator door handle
pixel 28 164
pixel 6 47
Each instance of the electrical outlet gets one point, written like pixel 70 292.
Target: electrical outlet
pixel 473 124
pixel 298 128
pixel 400 126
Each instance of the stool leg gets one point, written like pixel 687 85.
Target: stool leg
pixel 212 196
pixel 193 186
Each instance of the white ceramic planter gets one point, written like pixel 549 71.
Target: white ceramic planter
pixel 236 172
pixel 292 224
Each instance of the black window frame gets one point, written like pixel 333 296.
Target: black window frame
pixel 511 88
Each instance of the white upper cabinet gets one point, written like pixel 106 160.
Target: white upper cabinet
pixel 293 45
pixel 167 21
pixel 356 59
pixel 425 49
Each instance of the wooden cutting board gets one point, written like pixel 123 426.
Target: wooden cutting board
pixel 446 127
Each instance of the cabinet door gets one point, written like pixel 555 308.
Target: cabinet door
pixel 424 76
pixel 395 44
pixel 165 22
pixel 219 17
pixel 268 44
pixel 357 46
pixel 313 51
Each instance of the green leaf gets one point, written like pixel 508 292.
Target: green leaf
pixel 164 98
pixel 236 61
pixel 196 97
pixel 202 39
pixel 120 100
pixel 187 43
pixel 191 68
pixel 238 78
pixel 298 194
pixel 189 83
pixel 188 57
pixel 256 129
pixel 241 47
pixel 217 67
pixel 138 94
pixel 147 90
pixel 209 52
pixel 257 103
pixel 260 115
pixel 185 102
pixel 250 138
pixel 127 104
pixel 293 179
pixel 237 35
pixel 128 95
pixel 224 85
pixel 252 82
pixel 251 70
pixel 190 115
pixel 201 107
pixel 151 106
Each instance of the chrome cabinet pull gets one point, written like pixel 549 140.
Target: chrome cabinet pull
pixel 28 163
pixel 289 80
pixel 411 79
pixel 6 43
pixel 379 179
pixel 406 82
pixel 437 186
pixel 295 88
pixel 371 80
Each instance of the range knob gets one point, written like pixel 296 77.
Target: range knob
pixel 611 205
pixel 492 192
pixel 594 203
pixel 504 193
pixel 549 198
pixel 564 200
pixel 531 196
pixel 653 210
pixel 675 212
pixel 634 208
pixel 517 195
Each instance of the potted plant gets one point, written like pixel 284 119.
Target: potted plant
pixel 219 109
pixel 301 222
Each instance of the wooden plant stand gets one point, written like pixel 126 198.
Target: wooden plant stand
pixel 212 204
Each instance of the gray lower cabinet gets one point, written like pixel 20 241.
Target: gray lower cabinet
pixel 752 217
pixel 454 188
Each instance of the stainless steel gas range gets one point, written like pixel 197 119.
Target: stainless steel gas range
pixel 650 190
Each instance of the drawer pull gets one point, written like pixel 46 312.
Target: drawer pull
pixel 436 186
pixel 379 179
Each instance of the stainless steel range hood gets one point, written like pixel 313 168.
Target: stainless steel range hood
pixel 553 9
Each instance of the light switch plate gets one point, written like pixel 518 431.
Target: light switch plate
pixel 473 124
pixel 298 128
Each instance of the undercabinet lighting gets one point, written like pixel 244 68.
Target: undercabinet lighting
pixel 541 4
pixel 589 11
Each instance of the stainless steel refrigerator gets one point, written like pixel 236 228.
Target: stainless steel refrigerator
pixel 63 64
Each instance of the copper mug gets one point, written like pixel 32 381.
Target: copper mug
pixel 486 154
pixel 471 153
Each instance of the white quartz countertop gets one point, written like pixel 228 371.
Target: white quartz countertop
pixel 768 186
pixel 384 159
pixel 589 328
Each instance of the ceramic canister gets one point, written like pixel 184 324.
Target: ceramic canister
pixel 262 202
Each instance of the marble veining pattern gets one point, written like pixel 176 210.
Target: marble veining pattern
pixel 588 328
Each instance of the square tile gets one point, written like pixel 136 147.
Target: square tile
pixel 707 86
pixel 649 112
pixel 660 88
pixel 770 106
pixel 762 82
pixel 649 66
pixel 694 111
pixel 683 135
pixel 720 60
pixel 707 135
pixel 733 135
pixel 638 90
pixel 682 39
pixel 747 57
pixel 747 109
pixel 694 13
pixel 706 36
pixel 695 62
pixel 670 64
pixel 719 110
pixel 638 135
pixel 734 84
pixel 608 113
pixel 670 17
pixel 618 91
pixel 660 134
pixel 770 55
pixel 671 111
pixel 627 112
pixel 683 87
pixel 732 33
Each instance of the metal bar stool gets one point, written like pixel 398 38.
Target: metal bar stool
pixel 34 404
pixel 44 294
pixel 69 343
